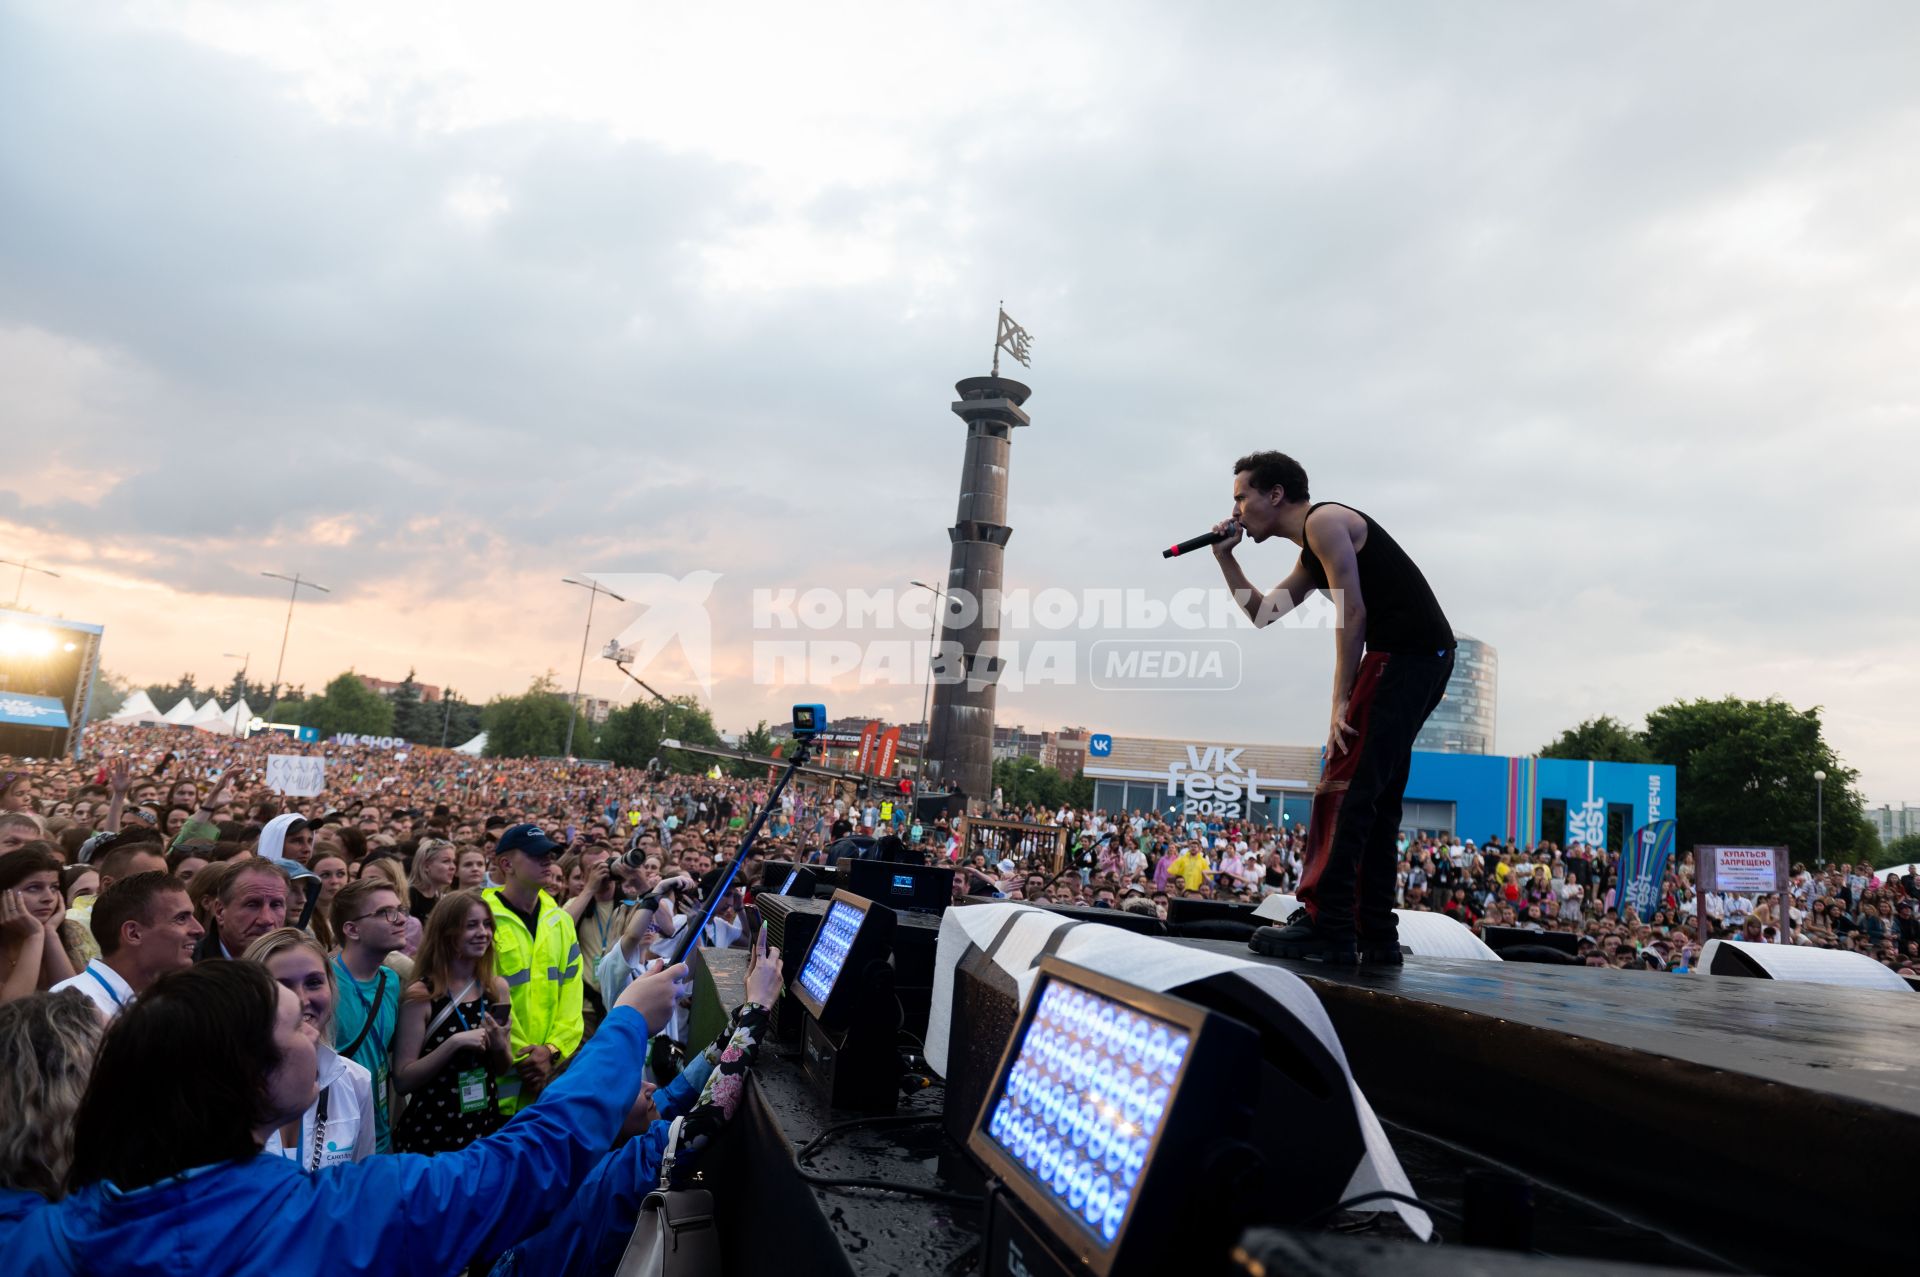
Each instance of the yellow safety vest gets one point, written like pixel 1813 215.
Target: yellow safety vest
pixel 544 982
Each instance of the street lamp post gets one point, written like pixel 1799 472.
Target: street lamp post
pixel 446 724
pixel 1819 819
pixel 926 724
pixel 594 591
pixel 25 568
pixel 240 682
pixel 293 594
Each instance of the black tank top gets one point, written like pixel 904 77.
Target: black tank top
pixel 1402 614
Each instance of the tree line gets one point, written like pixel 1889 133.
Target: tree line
pixel 1745 774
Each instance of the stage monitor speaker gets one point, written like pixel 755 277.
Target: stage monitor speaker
pixel 1299 1091
pixel 907 888
pixel 791 922
pixel 785 878
pixel 1422 933
pixel 1190 918
pixel 1797 963
pixel 1117 1127
pixel 986 1006
pixel 1104 1088
pixel 1500 939
pixel 855 934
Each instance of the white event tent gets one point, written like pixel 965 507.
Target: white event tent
pixel 138 708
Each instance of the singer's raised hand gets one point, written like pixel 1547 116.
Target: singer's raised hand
pixel 1229 531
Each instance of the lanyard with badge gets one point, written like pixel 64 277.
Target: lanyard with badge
pixel 320 1130
pixel 605 924
pixel 472 1083
pixel 111 991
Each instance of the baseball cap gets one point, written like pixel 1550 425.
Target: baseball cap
pixel 530 840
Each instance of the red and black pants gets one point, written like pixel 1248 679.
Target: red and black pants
pixel 1353 834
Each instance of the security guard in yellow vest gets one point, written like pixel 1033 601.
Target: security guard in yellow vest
pixel 538 954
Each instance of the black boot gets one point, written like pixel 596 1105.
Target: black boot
pixel 1386 954
pixel 1301 940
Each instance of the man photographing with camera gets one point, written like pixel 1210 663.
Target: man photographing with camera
pixel 1393 654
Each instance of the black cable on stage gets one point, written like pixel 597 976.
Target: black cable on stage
pixel 924 1077
pixel 806 1150
pixel 910 1190
pixel 884 1119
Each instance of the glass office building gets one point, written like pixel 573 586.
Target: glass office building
pixel 1463 722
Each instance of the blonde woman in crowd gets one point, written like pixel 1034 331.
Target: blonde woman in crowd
pixel 47 1043
pixel 338 1126
pixel 435 870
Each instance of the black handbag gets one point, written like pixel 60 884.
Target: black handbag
pixel 676 1234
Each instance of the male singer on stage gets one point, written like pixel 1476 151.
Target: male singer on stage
pixel 1393 653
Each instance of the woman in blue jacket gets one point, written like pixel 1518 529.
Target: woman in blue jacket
pixel 589 1236
pixel 168 1179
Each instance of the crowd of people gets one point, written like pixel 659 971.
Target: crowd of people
pixel 427 994
pixel 366 985
pixel 1141 860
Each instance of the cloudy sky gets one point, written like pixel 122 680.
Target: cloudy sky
pixel 1607 311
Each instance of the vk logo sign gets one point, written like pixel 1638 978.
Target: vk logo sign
pixel 1100 746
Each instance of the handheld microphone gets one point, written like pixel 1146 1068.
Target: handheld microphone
pixel 1194 543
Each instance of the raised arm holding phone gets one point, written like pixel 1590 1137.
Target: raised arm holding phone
pixel 186 1180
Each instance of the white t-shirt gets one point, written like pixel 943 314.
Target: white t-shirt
pixel 721 934
pixel 348 1089
pixel 101 983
